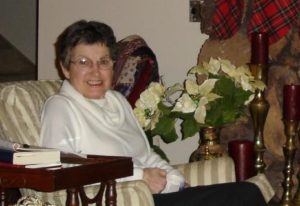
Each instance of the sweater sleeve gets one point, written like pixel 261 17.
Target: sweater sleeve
pixel 175 180
pixel 58 125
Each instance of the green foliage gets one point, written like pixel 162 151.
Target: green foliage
pixel 166 129
pixel 228 108
pixel 189 127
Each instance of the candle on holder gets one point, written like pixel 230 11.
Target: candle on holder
pixel 291 102
pixel 259 48
pixel 242 153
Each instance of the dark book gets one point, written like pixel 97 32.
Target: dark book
pixel 30 155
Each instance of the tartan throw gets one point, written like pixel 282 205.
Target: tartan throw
pixel 125 48
pixel 227 18
pixel 275 17
pixel 135 67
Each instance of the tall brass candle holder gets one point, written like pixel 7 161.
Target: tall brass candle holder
pixel 289 149
pixel 296 199
pixel 291 118
pixel 259 108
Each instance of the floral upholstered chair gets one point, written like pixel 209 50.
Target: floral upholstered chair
pixel 21 104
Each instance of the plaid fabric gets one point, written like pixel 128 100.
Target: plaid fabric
pixel 227 18
pixel 274 17
pixel 135 67
pixel 125 47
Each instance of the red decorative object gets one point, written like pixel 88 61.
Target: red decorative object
pixel 242 153
pixel 275 17
pixel 291 102
pixel 259 48
pixel 226 18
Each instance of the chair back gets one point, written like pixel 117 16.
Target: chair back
pixel 21 104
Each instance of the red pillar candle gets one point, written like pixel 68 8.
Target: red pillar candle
pixel 291 102
pixel 259 48
pixel 242 153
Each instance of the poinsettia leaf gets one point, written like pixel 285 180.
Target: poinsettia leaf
pixel 229 116
pixel 189 128
pixel 214 114
pixel 224 86
pixel 170 136
pixel 166 110
pixel 240 96
pixel 160 152
pixel 183 116
pixel 228 108
pixel 165 128
pixel 149 137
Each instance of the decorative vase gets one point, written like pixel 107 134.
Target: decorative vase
pixel 209 145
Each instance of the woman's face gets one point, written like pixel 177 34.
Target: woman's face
pixel 91 70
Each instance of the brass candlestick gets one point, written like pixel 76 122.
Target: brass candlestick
pixel 289 149
pixel 259 108
pixel 296 199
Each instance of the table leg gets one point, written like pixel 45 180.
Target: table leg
pixel 2 197
pixel 72 197
pixel 110 193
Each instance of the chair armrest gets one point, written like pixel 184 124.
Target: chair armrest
pixel 207 172
pixel 264 185
pixel 129 193
pixel 135 193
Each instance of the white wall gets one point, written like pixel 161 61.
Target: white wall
pixel 164 24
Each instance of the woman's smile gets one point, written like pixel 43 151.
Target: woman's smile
pixel 94 83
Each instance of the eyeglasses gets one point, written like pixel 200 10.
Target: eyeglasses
pixel 85 63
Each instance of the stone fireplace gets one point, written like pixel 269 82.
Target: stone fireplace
pixel 232 42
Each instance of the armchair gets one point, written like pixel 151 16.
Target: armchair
pixel 21 104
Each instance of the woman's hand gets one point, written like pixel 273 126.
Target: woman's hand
pixel 156 179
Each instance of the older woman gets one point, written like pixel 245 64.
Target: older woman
pixel 88 117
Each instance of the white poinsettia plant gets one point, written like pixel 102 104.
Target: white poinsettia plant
pixel 214 94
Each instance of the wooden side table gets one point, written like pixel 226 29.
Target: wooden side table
pixel 72 176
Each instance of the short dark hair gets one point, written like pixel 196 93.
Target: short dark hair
pixel 87 32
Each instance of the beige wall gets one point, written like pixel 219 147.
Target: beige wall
pixel 163 23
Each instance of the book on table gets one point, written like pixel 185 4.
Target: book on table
pixel 29 166
pixel 31 156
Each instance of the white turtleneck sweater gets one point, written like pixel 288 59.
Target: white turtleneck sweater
pixel 107 126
